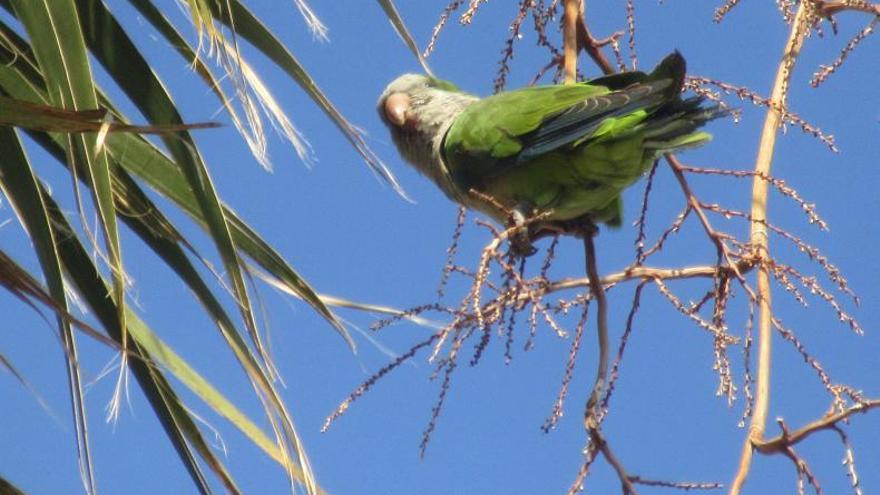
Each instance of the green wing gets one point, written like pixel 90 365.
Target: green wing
pixel 515 127
pixel 495 125
pixel 573 149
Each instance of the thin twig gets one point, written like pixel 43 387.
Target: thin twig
pixel 625 479
pixel 681 485
pixel 592 46
pixel 826 70
pixel 722 250
pixel 624 339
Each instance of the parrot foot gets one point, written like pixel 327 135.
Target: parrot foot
pixel 520 240
pixel 523 237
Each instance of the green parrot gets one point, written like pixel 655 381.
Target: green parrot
pixel 563 152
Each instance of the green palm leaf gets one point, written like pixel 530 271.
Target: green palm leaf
pixel 47 88
pixel 58 46
pixel 20 185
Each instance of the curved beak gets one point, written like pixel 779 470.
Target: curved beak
pixel 396 108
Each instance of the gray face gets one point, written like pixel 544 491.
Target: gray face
pixel 407 84
pixel 418 111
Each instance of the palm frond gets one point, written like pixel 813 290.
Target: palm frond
pixel 48 90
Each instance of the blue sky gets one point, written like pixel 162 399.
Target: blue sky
pixel 352 237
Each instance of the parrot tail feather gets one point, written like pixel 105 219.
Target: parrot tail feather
pixel 673 126
pixel 673 68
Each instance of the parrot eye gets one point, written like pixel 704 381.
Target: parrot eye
pixel 396 108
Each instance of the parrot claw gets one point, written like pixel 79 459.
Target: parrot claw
pixel 524 235
pixel 520 240
pixel 521 247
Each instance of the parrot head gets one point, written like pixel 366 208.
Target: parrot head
pixel 418 111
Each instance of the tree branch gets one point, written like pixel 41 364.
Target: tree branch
pixel 626 480
pixel 780 443
pixel 828 9
pixel 760 241
pixel 592 46
pixel 723 251
pixel 648 272
pixel 569 35
pixel 598 291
